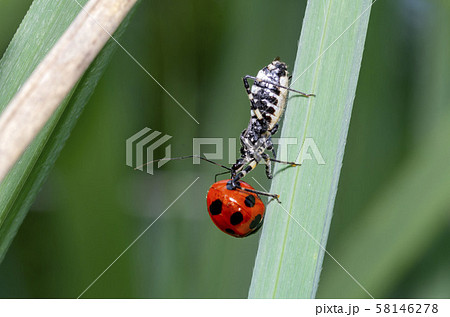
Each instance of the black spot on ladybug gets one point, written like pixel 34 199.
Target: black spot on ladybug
pixel 229 231
pixel 255 222
pixel 250 201
pixel 216 207
pixel 236 218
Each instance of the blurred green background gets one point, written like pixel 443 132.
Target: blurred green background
pixel 391 221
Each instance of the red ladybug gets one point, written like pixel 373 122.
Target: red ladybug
pixel 236 212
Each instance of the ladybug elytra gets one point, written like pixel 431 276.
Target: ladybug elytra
pixel 236 212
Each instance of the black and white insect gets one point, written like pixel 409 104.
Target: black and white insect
pixel 267 97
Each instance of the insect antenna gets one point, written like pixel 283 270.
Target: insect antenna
pixel 218 174
pixel 182 158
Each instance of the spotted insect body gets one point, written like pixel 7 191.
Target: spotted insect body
pixel 236 212
pixel 267 97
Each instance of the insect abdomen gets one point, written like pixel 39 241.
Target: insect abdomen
pixel 269 99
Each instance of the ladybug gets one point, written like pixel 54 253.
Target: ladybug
pixel 236 212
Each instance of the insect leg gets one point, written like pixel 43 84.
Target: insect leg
pixel 251 165
pixel 274 196
pixel 269 146
pixel 274 153
pixel 274 129
pixel 285 162
pixel 268 165
pixel 278 85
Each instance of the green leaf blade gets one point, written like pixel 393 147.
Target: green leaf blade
pixel 291 250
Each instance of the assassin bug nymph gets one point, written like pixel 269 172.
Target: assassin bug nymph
pixel 267 104
pixel 233 205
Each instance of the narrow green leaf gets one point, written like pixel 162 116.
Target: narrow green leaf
pixel 44 23
pixel 291 250
pixel 409 215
